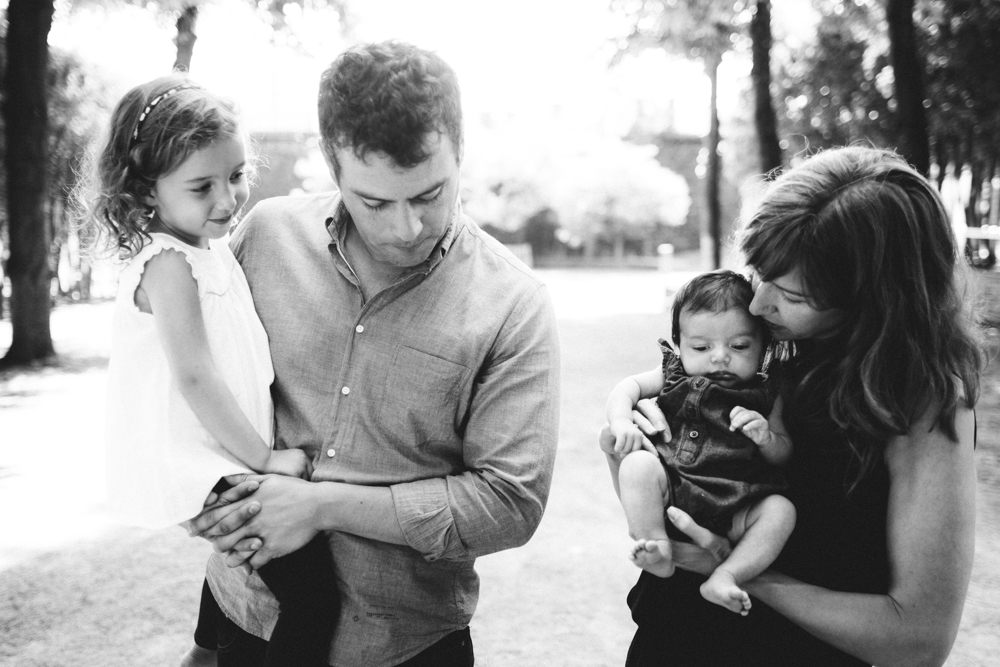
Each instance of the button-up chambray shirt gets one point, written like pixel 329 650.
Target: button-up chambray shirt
pixel 442 387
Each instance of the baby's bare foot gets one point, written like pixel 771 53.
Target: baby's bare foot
pixel 199 657
pixel 721 589
pixel 653 556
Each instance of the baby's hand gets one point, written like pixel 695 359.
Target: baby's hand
pixel 627 439
pixel 289 462
pixel 752 424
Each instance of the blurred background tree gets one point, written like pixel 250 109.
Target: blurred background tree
pixel 599 174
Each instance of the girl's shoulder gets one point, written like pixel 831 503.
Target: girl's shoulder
pixel 211 267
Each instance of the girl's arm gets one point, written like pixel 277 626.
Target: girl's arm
pixel 172 294
pixel 622 402
pixel 931 535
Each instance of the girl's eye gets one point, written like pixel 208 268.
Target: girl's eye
pixel 203 188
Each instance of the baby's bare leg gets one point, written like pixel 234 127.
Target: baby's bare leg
pixel 645 491
pixel 759 532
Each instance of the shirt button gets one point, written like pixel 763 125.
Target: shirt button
pixel 693 434
pixel 359 328
pixel 345 391
pixel 331 452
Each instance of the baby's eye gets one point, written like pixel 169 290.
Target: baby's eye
pixel 237 177
pixel 699 348
pixel 740 346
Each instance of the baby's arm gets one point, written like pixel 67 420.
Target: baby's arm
pixel 172 294
pixel 768 434
pixel 621 402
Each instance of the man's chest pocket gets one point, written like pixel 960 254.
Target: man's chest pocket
pixel 423 397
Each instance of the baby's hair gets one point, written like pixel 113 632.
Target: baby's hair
pixel 715 292
pixel 153 129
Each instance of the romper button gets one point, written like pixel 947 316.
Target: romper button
pixel 345 391
pixel 359 328
pixel 331 452
pixel 693 434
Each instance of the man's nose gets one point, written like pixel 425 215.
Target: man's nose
pixel 407 224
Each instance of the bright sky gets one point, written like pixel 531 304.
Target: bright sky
pixel 517 58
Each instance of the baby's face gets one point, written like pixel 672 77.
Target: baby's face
pixel 726 347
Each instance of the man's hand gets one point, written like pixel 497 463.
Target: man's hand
pixel 276 520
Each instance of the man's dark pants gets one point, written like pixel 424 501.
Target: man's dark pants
pixel 238 648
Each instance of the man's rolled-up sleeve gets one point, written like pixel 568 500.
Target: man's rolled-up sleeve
pixel 509 448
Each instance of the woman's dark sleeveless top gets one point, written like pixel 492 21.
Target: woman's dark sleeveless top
pixel 839 543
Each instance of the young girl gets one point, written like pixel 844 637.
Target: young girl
pixel 719 452
pixel 189 377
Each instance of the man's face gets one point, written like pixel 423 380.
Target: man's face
pixel 400 214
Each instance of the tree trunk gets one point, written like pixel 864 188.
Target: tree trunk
pixel 26 124
pixel 186 38
pixel 908 70
pixel 714 171
pixel 764 118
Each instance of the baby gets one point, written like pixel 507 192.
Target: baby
pixel 718 457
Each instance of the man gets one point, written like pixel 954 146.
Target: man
pixel 416 360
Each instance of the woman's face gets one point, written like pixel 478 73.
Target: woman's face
pixel 788 310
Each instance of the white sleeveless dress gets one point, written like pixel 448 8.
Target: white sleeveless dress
pixel 161 462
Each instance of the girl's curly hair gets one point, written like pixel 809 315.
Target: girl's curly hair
pixel 146 139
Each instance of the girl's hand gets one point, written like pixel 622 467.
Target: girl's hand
pixel 751 424
pixel 289 462
pixel 708 551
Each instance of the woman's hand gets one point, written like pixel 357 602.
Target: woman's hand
pixel 708 550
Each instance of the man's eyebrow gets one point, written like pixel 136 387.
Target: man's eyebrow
pixel 436 186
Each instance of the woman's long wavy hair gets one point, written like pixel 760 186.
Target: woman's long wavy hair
pixel 870 236
pixel 121 169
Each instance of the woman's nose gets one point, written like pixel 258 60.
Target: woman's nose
pixel 761 300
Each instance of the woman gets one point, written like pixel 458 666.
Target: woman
pixel 855 266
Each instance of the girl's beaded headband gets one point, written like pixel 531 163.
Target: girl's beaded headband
pixel 149 108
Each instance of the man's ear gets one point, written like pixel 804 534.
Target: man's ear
pixel 329 159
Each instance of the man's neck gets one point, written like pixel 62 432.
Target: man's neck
pixel 373 276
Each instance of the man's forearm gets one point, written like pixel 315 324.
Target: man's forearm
pixel 365 511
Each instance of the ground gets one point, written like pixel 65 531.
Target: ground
pixel 77 590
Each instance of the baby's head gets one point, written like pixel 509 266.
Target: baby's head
pixel 153 129
pixel 713 331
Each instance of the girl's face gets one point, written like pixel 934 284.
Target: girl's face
pixel 726 347
pixel 199 200
pixel 788 310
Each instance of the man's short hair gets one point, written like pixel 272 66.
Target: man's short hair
pixel 387 98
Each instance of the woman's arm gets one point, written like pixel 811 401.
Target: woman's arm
pixel 931 535
pixel 172 293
